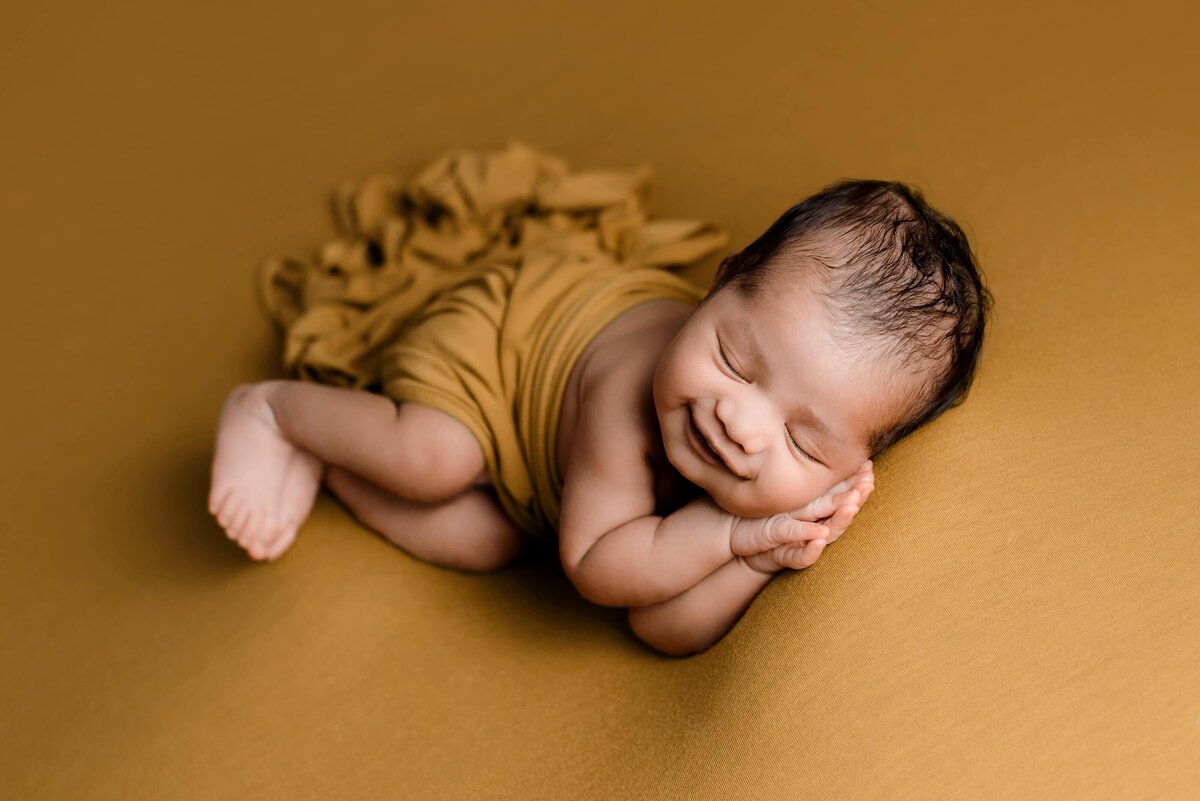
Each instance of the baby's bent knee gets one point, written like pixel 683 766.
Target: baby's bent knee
pixel 438 454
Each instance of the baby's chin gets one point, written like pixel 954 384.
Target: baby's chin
pixel 721 497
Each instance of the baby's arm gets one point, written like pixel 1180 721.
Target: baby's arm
pixel 614 549
pixel 700 616
pixel 652 558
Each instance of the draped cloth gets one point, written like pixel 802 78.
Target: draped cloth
pixel 473 287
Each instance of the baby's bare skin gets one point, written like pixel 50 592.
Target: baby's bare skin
pixel 263 486
pixel 623 360
pixel 410 473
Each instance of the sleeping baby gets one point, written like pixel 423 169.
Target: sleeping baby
pixel 677 448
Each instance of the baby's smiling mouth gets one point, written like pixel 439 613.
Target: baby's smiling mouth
pixel 702 443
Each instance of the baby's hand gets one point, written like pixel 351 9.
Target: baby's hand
pixel 796 539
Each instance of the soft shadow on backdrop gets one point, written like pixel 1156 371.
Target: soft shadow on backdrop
pixel 1013 615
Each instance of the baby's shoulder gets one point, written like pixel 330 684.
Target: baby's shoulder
pixel 616 409
pixel 617 381
pixel 625 354
pixel 617 393
pixel 621 438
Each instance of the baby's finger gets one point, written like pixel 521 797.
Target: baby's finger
pixel 798 557
pixel 764 534
pixel 864 484
pixel 864 487
pixel 841 520
pixel 826 505
pixel 864 472
pixel 799 532
pixel 847 483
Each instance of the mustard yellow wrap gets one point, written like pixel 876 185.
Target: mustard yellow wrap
pixel 473 288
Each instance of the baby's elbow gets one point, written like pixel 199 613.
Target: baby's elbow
pixel 580 579
pixel 665 640
pixel 600 587
pixel 598 592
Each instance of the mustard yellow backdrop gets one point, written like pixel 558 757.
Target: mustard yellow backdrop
pixel 1013 615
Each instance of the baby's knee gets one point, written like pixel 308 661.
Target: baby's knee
pixel 494 539
pixel 438 455
pixel 492 559
pixel 496 552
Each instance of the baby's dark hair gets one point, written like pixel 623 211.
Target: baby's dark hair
pixel 899 281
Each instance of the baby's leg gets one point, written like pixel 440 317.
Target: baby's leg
pixel 470 531
pixel 412 450
pixel 275 438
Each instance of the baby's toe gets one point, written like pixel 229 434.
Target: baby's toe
pixel 282 542
pixel 237 528
pixel 216 500
pixel 236 513
pixel 272 531
pixel 224 511
pixel 254 551
pixel 259 529
pixel 250 540
pixel 251 531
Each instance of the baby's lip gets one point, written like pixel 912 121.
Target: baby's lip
pixel 708 441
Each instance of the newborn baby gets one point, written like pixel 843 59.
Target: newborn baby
pixel 705 447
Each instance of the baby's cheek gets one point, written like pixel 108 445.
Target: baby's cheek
pixel 750 503
pixel 793 494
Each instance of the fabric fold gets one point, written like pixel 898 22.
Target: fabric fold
pixel 401 243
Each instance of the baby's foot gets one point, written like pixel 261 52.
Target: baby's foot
pixel 259 479
pixel 301 484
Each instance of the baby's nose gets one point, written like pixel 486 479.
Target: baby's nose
pixel 739 428
pixel 751 444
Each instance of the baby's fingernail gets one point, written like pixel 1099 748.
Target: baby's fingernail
pixel 820 543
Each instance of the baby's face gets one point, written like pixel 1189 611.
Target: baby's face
pixel 750 404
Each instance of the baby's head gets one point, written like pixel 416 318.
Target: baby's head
pixel 855 319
